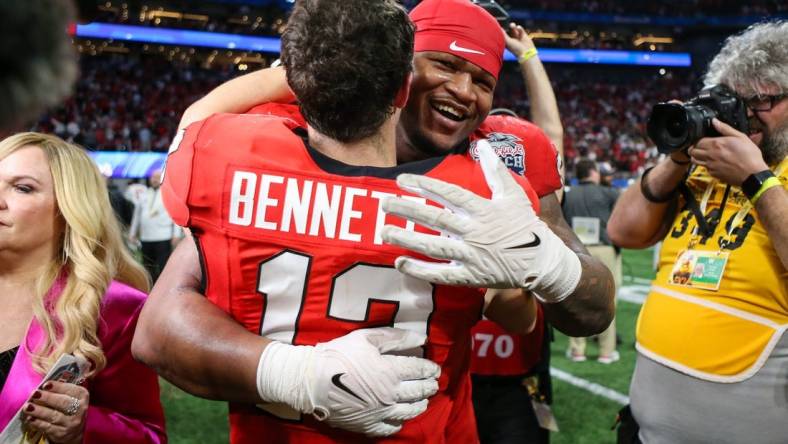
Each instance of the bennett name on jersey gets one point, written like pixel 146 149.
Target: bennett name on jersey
pixel 305 206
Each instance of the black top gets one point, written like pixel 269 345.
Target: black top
pixel 333 166
pixel 6 359
pixel 590 200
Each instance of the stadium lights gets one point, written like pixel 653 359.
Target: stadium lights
pixel 182 37
pixel 651 39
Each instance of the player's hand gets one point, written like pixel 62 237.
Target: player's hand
pixel 730 158
pixel 58 410
pixel 517 40
pixel 350 382
pixel 491 243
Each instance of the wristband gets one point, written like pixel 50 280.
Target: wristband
pixel 526 55
pixel 684 163
pixel 651 197
pixel 768 183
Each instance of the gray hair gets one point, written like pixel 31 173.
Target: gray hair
pixel 754 60
pixel 39 63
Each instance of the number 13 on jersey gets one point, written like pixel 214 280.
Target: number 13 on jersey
pixel 362 294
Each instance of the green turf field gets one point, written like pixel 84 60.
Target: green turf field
pixel 583 417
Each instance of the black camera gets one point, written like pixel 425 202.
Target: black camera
pixel 675 127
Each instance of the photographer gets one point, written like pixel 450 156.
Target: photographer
pixel 712 354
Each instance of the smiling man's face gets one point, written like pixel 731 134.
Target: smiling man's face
pixel 449 99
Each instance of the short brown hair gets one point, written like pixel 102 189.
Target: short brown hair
pixel 346 61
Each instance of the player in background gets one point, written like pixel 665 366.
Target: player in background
pixel 458 55
pixel 344 273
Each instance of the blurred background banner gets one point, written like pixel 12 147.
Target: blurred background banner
pixel 128 165
pixel 171 36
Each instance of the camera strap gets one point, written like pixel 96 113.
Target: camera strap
pixel 705 228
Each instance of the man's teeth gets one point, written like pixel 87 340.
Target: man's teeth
pixel 450 110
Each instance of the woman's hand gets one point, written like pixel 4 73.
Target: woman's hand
pixel 58 410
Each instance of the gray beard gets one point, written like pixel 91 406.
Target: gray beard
pixel 775 146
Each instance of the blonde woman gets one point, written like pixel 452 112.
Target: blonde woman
pixel 67 285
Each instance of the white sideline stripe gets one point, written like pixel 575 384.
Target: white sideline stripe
pixel 635 294
pixel 589 386
pixel 637 280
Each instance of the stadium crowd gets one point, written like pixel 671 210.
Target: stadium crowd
pixel 604 116
pixel 129 104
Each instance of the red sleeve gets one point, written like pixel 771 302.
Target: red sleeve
pixel 543 163
pixel 177 175
pixel 287 110
pixel 526 150
pixel 533 196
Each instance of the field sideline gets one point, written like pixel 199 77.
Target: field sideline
pixel 583 417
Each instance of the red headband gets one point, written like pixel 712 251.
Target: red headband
pixel 460 28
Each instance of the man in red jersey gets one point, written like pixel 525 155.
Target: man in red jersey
pixel 291 231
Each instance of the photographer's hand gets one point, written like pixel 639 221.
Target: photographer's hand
pixel 730 158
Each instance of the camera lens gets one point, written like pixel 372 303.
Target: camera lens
pixel 676 128
pixel 668 127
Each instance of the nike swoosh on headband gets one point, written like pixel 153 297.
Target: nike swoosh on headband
pixel 455 47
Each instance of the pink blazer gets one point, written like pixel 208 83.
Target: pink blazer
pixel 124 396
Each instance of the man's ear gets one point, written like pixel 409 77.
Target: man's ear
pixel 404 92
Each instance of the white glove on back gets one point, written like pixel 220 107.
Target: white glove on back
pixel 348 382
pixel 492 243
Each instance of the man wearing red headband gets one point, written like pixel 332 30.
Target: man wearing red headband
pixel 451 96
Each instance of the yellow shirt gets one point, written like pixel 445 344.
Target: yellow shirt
pixel 727 334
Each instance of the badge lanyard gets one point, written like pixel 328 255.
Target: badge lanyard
pixel 740 215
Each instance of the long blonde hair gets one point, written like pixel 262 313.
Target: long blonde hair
pixel 91 253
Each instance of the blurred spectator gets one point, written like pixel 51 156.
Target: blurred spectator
pixel 606 174
pixel 587 208
pixel 154 228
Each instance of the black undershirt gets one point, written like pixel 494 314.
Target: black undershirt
pixel 6 359
pixel 333 166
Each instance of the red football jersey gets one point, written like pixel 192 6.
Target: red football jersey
pixel 497 352
pixel 290 242
pixel 525 149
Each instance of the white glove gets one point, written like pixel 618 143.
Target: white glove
pixel 348 382
pixel 495 243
